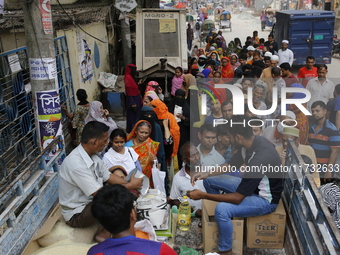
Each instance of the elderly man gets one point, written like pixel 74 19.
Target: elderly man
pixel 285 54
pixel 83 174
pixel 181 181
pixel 294 133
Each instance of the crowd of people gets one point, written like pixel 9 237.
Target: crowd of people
pixel 180 135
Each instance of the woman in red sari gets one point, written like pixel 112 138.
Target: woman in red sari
pixel 226 70
pixel 139 139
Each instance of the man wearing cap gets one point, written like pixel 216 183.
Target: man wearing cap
pixel 274 133
pixel 250 53
pixel 285 54
pixel 294 133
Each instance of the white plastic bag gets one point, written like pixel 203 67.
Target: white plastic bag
pixel 107 80
pixel 158 177
pixel 146 226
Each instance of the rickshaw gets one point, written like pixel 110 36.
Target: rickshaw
pixel 210 8
pixel 270 17
pixel 190 19
pixel 218 11
pixel 225 20
pixel 204 12
pixel 207 25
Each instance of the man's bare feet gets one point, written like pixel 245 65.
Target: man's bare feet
pixel 102 235
pixel 230 252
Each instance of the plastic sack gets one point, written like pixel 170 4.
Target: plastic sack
pixel 107 80
pixel 153 207
pixel 188 251
pixel 146 226
pixel 158 177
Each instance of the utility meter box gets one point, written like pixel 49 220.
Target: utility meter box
pixel 160 33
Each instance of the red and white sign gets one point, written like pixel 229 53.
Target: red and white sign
pixel 46 16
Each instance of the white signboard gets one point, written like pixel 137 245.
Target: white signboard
pixel 43 68
pixel 125 5
pixel 14 63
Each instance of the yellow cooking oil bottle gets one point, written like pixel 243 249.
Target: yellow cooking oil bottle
pixel 184 215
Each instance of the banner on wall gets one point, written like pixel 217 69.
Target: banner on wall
pixel 86 62
pixel 49 118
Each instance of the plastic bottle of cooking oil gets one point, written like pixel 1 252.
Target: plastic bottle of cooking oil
pixel 184 215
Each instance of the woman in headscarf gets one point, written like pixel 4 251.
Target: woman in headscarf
pixel 201 52
pixel 215 58
pixel 301 118
pixel 133 97
pixel 79 115
pixel 151 86
pixel 139 139
pixel 181 110
pixel 148 97
pixel 234 61
pixel 226 70
pixel 177 80
pixel 169 122
pixel 206 72
pixel 220 53
pixel 202 60
pixel 189 80
pixel 156 135
pixel 97 113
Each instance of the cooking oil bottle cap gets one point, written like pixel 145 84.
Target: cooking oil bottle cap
pixel 185 197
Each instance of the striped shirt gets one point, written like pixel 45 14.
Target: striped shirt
pixel 323 140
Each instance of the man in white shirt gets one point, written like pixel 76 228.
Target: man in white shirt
pixel 83 173
pixel 208 137
pixel 320 87
pixel 285 54
pixel 181 181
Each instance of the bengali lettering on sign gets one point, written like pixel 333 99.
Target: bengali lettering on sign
pixel 48 103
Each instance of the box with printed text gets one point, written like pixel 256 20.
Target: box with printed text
pixel 267 231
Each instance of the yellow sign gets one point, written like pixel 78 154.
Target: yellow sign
pixel 167 25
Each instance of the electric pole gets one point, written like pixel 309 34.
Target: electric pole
pixel 43 69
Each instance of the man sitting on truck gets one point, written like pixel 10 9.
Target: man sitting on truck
pixel 114 208
pixel 83 173
pixel 257 193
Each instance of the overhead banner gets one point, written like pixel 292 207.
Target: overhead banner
pixel 46 16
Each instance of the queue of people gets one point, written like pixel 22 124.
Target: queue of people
pixel 194 131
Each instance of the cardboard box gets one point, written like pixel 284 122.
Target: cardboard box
pixel 210 230
pixel 267 231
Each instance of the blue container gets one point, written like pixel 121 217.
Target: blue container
pixel 310 33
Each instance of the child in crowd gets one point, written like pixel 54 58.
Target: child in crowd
pixel 120 155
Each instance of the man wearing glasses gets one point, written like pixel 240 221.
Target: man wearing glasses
pixel 293 133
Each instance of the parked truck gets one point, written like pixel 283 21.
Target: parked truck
pixel 310 33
